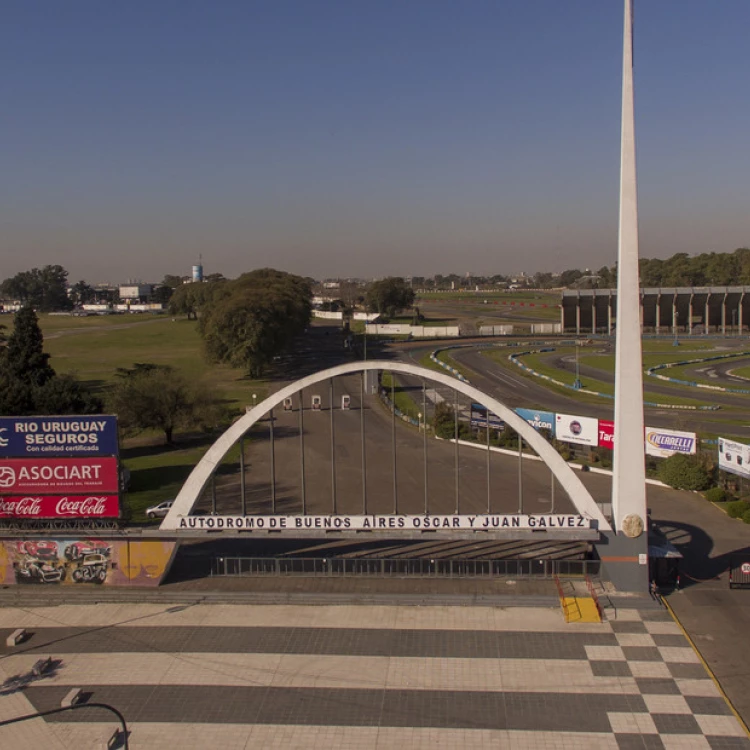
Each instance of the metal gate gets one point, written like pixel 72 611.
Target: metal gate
pixel 739 570
pixel 400 567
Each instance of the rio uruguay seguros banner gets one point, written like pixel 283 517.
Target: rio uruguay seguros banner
pixel 58 436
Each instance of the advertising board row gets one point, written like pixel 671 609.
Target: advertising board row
pixel 59 467
pixel 600 433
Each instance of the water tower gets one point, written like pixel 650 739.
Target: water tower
pixel 198 270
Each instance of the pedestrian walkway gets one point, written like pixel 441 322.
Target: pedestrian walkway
pixel 354 676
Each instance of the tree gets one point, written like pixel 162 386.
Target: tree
pixel 568 278
pixel 82 293
pixel 190 299
pixel 684 473
pixel 389 296
pixel 45 289
pixel 149 396
pixel 29 385
pixel 24 356
pixel 254 318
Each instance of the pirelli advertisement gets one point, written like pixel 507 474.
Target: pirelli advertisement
pixel 59 467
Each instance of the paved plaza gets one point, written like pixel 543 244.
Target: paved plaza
pixel 356 676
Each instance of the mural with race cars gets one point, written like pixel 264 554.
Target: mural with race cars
pixel 74 561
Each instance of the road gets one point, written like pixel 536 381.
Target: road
pixel 514 389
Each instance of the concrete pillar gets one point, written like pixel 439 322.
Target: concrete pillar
pixel 658 312
pixel 690 315
pixel 624 554
pixel 739 314
pixel 640 313
pixel 562 315
pixel 593 314
pixel 724 315
pixel 674 315
pixel 578 314
pixel 706 319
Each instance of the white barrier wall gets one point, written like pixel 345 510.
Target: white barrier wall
pixel 546 327
pixel 328 315
pixel 506 330
pixel 401 329
pixel 366 316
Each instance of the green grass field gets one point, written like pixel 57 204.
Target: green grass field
pixel 94 347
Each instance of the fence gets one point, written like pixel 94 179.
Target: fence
pixel 400 567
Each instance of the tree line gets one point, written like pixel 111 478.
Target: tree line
pixel 245 323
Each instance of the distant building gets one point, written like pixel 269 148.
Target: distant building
pixel 136 292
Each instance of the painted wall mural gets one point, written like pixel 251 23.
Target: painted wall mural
pixel 75 560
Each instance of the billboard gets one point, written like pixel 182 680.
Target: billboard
pixel 58 436
pixel 479 418
pixel 59 506
pixel 539 420
pixel 579 430
pixel 50 476
pixel 663 443
pixel 734 457
pixel 606 434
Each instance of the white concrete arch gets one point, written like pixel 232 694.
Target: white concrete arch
pixel 201 474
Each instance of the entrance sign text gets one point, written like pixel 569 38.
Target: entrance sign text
pixel 384 522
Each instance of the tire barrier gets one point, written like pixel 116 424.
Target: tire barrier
pixel 693 384
pixel 514 358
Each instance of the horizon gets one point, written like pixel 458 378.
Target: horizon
pixel 334 141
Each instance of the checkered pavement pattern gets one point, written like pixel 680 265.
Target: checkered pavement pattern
pixel 363 677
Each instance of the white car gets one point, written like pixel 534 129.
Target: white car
pixel 160 510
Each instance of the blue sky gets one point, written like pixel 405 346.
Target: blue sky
pixel 364 137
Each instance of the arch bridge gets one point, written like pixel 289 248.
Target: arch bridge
pixel 407 487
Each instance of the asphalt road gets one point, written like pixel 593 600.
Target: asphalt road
pixel 515 390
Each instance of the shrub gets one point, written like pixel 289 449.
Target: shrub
pixel 737 509
pixel 746 516
pixel 715 495
pixel 684 473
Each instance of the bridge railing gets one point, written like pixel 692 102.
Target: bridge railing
pixel 401 567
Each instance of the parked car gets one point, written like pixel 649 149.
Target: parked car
pixel 33 570
pixel 78 550
pixel 160 510
pixel 91 569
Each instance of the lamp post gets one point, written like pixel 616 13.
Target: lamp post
pixel 577 382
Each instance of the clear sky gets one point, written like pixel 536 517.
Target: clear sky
pixel 364 137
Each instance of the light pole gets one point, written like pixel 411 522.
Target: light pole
pixel 577 382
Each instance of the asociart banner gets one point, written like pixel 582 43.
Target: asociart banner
pixel 59 506
pixel 51 476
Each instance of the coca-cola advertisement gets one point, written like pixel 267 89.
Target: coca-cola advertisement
pixel 29 507
pixel 58 475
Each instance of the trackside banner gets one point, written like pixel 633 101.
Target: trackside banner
pixel 51 476
pixel 734 457
pixel 539 420
pixel 580 430
pixel 58 436
pixel 663 443
pixel 59 506
pixel 382 523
